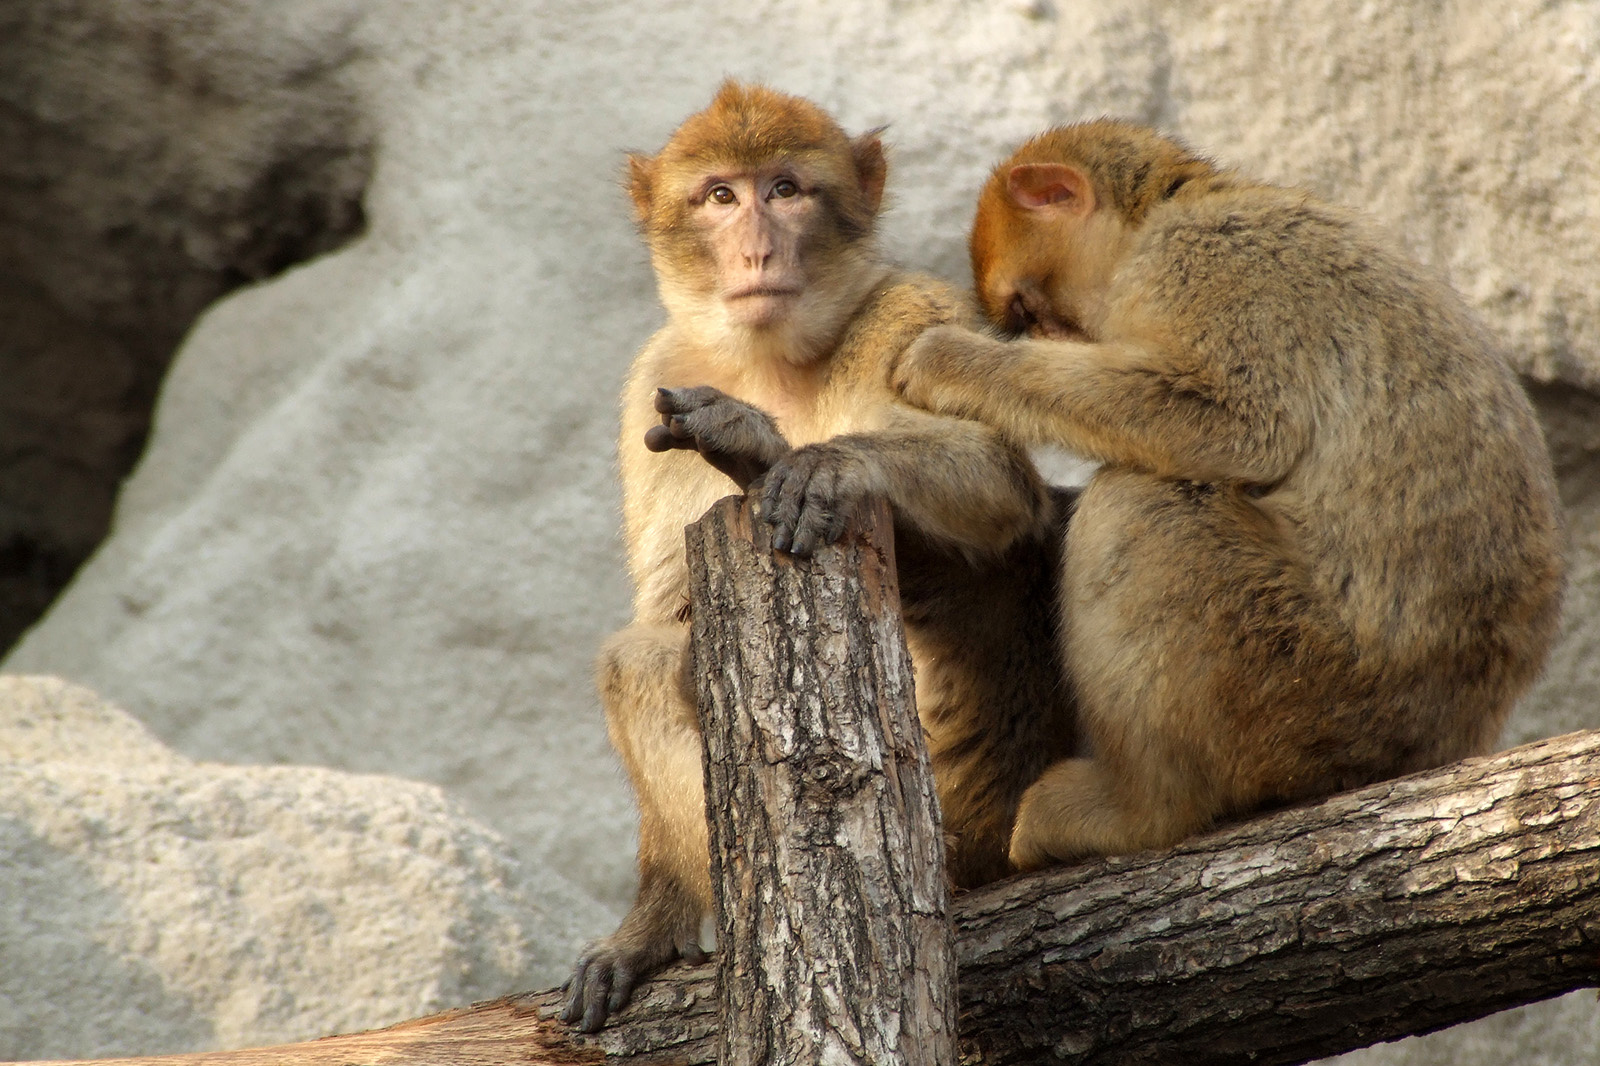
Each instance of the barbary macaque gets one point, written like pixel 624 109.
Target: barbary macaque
pixel 771 375
pixel 1324 547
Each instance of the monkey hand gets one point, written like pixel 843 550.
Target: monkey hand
pixel 610 969
pixel 810 495
pixel 939 369
pixel 740 440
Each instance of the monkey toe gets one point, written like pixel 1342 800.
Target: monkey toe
pixel 572 1009
pixel 599 986
pixel 595 1009
pixel 604 979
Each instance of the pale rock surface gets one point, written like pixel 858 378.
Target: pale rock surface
pixel 151 159
pixel 151 902
pixel 376 525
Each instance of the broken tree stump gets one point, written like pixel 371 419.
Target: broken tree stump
pixel 827 855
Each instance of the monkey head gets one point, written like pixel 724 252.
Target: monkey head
pixel 759 214
pixel 1054 220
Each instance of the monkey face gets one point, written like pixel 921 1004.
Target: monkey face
pixel 754 212
pixel 753 229
pixel 1042 267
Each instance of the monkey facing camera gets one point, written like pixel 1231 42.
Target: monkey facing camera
pixel 1324 547
pixel 771 376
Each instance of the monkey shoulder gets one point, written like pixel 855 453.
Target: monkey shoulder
pixel 902 306
pixel 919 300
pixel 1256 236
pixel 1268 270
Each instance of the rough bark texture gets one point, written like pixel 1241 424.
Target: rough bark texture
pixel 1399 909
pixel 827 855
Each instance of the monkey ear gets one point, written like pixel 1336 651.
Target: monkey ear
pixel 641 182
pixel 1039 185
pixel 872 169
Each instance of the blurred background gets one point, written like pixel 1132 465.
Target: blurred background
pixel 313 314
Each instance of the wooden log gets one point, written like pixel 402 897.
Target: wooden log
pixel 826 847
pixel 1396 909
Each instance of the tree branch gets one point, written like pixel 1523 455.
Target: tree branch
pixel 1398 909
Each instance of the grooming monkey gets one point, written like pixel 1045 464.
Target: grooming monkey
pixel 773 366
pixel 1324 548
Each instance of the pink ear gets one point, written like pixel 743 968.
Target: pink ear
pixel 1036 185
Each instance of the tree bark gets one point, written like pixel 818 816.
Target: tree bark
pixel 1397 909
pixel 827 854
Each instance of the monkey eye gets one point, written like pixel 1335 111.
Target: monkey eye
pixel 784 188
pixel 722 194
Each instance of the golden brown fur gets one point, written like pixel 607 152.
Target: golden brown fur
pixel 792 401
pixel 1325 546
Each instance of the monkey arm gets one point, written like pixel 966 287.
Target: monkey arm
pixel 1120 402
pixel 643 675
pixel 954 480
pixel 737 438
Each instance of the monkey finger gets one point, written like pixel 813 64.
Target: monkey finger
pixel 677 401
pixel 672 434
pixel 805 542
pixel 779 505
pixel 822 522
pixel 835 526
pixel 661 439
pixel 810 524
pixel 692 952
pixel 681 401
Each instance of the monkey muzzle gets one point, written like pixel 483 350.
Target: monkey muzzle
pixel 1027 314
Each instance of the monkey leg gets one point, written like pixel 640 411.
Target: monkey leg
pixel 1079 808
pixel 1212 679
pixel 977 802
pixel 643 682
pixel 995 715
pixel 990 690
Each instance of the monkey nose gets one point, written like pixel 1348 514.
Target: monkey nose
pixel 1018 317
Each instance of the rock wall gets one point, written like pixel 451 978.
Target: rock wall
pixel 151 159
pixel 375 527
pixel 151 902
